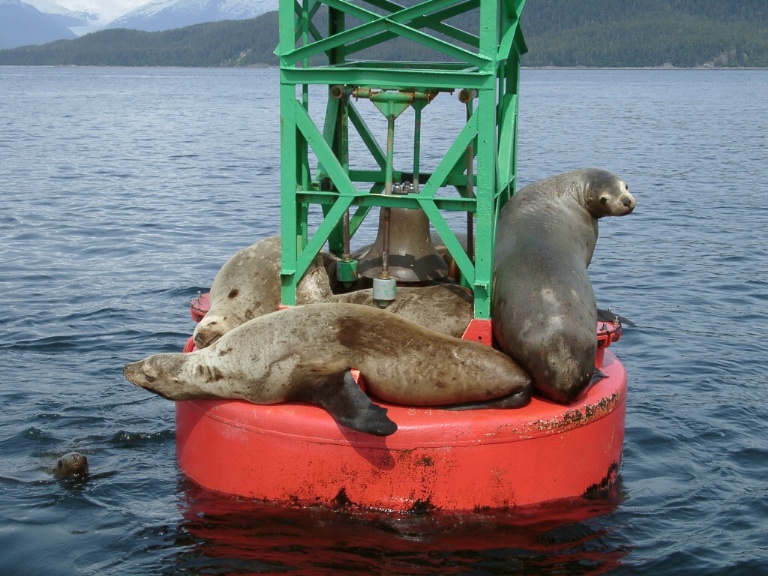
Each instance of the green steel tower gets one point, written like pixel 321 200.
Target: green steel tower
pixel 323 48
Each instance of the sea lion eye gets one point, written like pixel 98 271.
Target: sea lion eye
pixel 603 200
pixel 149 378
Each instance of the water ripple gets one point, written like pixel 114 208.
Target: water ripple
pixel 115 221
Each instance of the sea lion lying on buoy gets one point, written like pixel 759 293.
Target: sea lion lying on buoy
pixel 305 353
pixel 543 307
pixel 248 286
pixel 442 307
pixel 71 465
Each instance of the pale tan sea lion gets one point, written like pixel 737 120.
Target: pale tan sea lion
pixel 248 286
pixel 305 354
pixel 543 307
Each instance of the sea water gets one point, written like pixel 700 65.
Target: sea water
pixel 122 192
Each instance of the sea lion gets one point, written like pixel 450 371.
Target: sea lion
pixel 71 465
pixel 445 308
pixel 543 307
pixel 248 286
pixel 305 353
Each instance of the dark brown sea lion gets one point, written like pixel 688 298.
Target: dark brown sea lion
pixel 445 308
pixel 71 465
pixel 543 307
pixel 305 354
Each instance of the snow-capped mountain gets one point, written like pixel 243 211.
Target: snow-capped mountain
pixel 22 24
pixel 27 22
pixel 69 17
pixel 167 14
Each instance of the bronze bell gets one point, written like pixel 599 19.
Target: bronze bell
pixel 412 256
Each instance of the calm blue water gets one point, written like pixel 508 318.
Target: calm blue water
pixel 124 190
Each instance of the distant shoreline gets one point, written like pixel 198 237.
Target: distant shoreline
pixel 265 66
pixel 670 68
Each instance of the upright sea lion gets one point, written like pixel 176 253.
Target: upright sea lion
pixel 543 307
pixel 71 465
pixel 305 354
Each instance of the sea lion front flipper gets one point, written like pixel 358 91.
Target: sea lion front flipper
pixel 349 406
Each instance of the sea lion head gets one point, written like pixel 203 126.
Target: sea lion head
pixel 605 194
pixel 71 465
pixel 159 374
pixel 210 329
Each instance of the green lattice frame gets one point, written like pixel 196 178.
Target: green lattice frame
pixel 488 65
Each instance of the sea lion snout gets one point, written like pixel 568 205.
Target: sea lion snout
pixel 627 200
pixel 613 204
pixel 139 373
pixel 210 329
pixel 159 374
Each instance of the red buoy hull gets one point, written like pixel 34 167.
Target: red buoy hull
pixel 441 459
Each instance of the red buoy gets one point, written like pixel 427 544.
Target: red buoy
pixel 443 459
pixel 458 460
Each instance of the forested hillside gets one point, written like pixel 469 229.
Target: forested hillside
pixel 602 33
pixel 635 33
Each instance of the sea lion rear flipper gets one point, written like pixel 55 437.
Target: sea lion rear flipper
pixel 597 375
pixel 607 315
pixel 350 406
pixel 517 400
